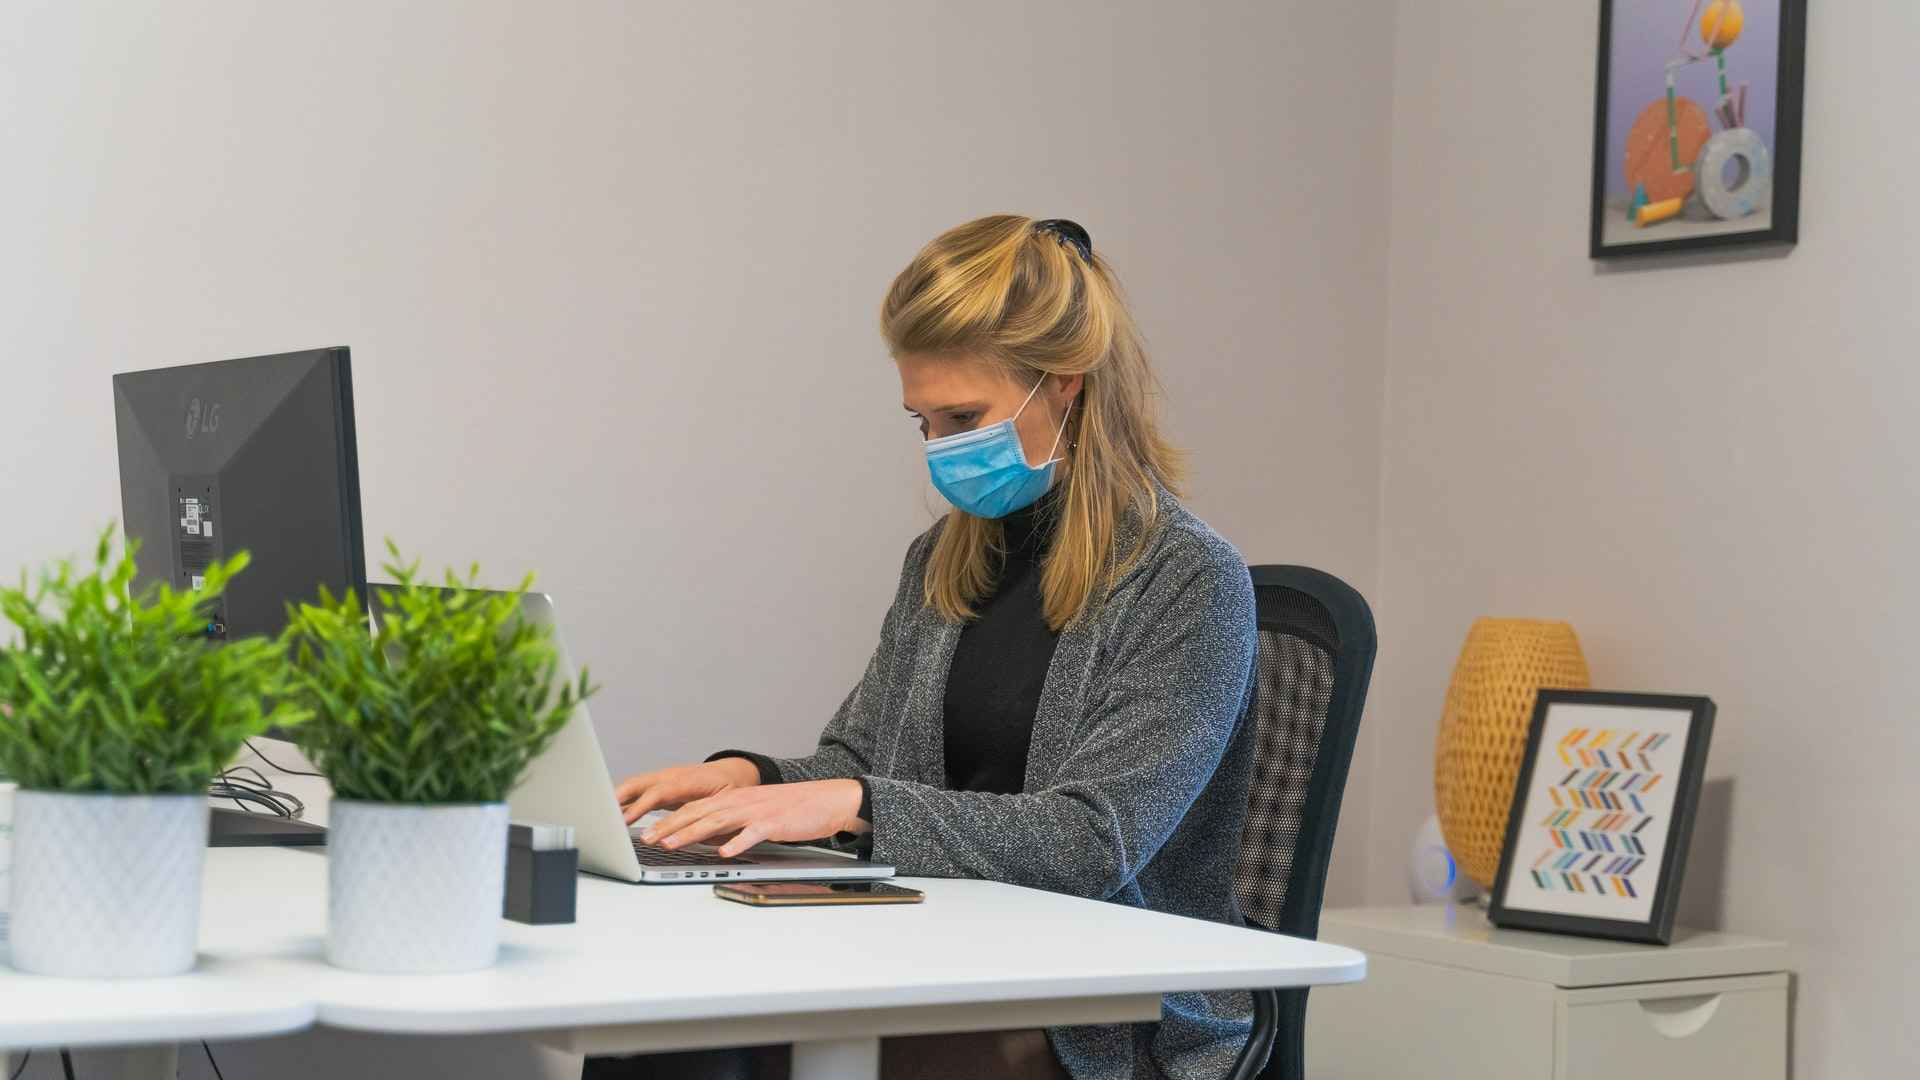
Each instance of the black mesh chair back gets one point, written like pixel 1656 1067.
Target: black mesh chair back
pixel 1315 658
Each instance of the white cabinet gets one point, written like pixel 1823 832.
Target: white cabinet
pixel 1448 996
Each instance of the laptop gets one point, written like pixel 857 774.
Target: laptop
pixel 569 784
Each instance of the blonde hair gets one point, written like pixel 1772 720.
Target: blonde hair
pixel 1000 290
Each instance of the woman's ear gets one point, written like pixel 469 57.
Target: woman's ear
pixel 1065 388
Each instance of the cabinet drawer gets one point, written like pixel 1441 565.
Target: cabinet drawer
pixel 1687 1029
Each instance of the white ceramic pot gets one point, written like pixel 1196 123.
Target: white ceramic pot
pixel 106 885
pixel 6 852
pixel 415 888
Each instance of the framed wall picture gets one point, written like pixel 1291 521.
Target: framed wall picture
pixel 1602 814
pixel 1696 130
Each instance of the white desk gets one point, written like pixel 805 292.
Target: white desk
pixel 662 967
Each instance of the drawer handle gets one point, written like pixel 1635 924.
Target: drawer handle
pixel 1679 1017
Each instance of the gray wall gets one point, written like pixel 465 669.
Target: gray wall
pixel 1707 466
pixel 610 274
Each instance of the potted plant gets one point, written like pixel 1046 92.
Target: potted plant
pixel 115 714
pixel 422 730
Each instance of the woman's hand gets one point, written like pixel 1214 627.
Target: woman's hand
pixel 683 784
pixel 785 812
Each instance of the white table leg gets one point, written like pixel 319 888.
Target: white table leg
pixel 837 1059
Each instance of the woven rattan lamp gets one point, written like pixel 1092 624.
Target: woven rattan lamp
pixel 1483 732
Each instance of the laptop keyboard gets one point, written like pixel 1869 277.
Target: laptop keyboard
pixel 650 855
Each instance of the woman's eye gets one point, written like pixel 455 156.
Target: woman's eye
pixel 964 421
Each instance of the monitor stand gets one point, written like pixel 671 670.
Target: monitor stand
pixel 238 828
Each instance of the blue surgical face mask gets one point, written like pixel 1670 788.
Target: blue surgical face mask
pixel 985 471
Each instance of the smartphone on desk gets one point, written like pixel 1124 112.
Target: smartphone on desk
pixel 810 893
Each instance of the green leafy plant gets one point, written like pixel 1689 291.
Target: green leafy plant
pixel 449 702
pixel 105 690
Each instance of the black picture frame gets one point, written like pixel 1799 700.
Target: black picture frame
pixel 1657 929
pixel 1783 229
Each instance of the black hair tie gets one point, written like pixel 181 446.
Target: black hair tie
pixel 1070 233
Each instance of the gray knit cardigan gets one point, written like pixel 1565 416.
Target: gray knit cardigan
pixel 1137 774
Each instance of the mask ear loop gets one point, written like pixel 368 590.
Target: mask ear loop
pixel 1058 435
pixel 1029 400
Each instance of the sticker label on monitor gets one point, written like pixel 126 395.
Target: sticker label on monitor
pixel 196 504
pixel 194 538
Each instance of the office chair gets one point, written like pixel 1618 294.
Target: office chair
pixel 1316 647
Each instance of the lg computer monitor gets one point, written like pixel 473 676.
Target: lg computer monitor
pixel 255 454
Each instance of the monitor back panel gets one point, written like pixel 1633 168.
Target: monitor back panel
pixel 256 453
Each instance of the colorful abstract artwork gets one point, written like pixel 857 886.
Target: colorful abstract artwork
pixel 1697 124
pixel 1602 812
pixel 1601 807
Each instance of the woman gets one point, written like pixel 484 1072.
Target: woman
pixel 1056 696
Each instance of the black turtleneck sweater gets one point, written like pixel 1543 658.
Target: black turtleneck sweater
pixel 1000 665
